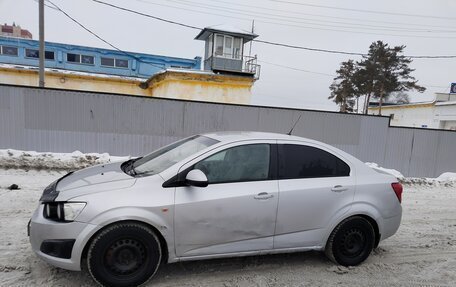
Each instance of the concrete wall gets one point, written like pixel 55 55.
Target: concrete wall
pixel 64 121
pixel 202 86
pixel 418 116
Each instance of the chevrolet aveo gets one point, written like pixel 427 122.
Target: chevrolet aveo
pixel 210 196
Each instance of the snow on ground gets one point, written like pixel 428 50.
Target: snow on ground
pixel 10 158
pixel 422 253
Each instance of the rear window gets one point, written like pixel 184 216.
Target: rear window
pixel 300 161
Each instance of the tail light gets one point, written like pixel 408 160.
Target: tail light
pixel 397 187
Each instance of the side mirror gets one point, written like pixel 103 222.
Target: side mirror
pixel 197 178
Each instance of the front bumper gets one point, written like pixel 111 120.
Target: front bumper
pixel 42 229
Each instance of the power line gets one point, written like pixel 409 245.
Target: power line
pixel 263 41
pixel 364 11
pixel 148 15
pixel 287 18
pixel 101 39
pixel 346 53
pixel 293 25
pixel 310 49
pixel 331 17
pixel 297 69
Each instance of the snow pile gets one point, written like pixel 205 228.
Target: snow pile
pixel 380 169
pixel 445 179
pixel 447 176
pixel 10 158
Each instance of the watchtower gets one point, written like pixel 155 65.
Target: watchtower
pixel 224 51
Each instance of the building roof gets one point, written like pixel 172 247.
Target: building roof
pixel 402 105
pixel 445 103
pixel 226 29
pixel 138 64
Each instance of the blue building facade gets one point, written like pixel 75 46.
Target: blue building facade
pixel 18 51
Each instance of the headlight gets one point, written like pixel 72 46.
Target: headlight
pixel 63 211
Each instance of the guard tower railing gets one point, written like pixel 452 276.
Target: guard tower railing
pixel 246 65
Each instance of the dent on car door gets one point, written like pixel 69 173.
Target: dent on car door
pixel 237 210
pixel 314 186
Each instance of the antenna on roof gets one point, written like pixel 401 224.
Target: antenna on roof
pixel 289 133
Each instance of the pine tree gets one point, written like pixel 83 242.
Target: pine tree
pixel 343 89
pixel 385 70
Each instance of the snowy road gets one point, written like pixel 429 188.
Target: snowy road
pixel 422 253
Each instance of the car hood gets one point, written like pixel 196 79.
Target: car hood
pixel 94 179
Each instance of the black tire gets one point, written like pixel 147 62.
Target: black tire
pixel 351 242
pixel 124 254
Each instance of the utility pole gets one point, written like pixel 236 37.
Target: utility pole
pixel 41 27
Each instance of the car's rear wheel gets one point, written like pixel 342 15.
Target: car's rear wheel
pixel 351 241
pixel 124 254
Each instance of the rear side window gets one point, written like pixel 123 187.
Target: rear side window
pixel 300 161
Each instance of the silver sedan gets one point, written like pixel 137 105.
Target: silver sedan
pixel 211 196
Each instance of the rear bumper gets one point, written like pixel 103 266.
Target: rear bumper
pixel 390 226
pixel 44 231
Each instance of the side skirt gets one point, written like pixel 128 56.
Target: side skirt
pixel 246 253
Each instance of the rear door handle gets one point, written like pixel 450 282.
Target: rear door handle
pixel 263 195
pixel 339 188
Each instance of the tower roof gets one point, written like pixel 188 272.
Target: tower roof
pixel 227 30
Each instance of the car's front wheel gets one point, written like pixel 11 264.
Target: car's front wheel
pixel 124 254
pixel 351 241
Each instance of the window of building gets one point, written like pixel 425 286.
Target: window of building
pixel 107 62
pixel 300 161
pixel 80 59
pixel 237 164
pixel 120 63
pixel 237 48
pixel 228 47
pixel 33 53
pixel 210 46
pixel 9 50
pixel 112 62
pixel 219 39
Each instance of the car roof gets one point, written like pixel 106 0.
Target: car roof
pixel 232 136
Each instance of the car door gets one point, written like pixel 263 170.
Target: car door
pixel 236 212
pixel 315 185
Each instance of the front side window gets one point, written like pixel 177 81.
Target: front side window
pixel 8 50
pixel 300 161
pixel 237 164
pixel 167 156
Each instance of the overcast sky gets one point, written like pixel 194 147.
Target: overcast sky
pixel 425 27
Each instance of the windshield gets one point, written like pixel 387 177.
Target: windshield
pixel 165 157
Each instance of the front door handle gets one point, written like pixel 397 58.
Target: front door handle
pixel 339 188
pixel 263 195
